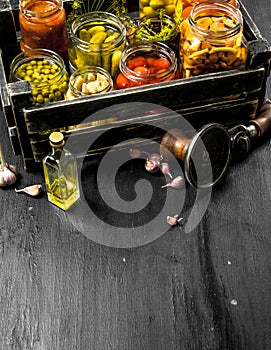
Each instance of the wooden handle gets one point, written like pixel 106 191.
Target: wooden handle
pixel 263 122
pixel 174 142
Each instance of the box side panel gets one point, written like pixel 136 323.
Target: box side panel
pixel 235 98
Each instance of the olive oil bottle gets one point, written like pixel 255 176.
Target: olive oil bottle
pixel 60 173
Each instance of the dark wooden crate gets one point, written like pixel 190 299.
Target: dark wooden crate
pixel 227 97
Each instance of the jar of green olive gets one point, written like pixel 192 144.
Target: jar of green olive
pixel 212 39
pixel 97 39
pixel 45 70
pixel 154 7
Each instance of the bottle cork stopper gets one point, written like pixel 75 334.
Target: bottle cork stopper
pixel 56 139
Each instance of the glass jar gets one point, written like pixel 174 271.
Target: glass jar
pixel 61 173
pixel 46 72
pixel 43 26
pixel 89 80
pixel 159 28
pixel 96 39
pixel 212 40
pixel 154 7
pixel 130 24
pixel 145 63
pixel 184 7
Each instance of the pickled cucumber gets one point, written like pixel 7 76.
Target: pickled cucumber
pixel 98 48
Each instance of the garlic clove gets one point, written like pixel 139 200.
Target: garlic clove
pixel 135 153
pixel 12 168
pixel 32 190
pixel 173 221
pixel 7 176
pixel 152 163
pixel 151 166
pixel 177 182
pixel 165 169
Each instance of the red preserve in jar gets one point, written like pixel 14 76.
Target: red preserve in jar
pixel 146 63
pixel 43 26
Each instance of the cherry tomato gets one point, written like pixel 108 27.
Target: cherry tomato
pixel 141 70
pixel 136 62
pixel 161 63
pixel 122 82
pixel 150 61
pixel 152 70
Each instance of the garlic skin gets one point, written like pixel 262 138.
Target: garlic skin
pixel 8 175
pixel 32 190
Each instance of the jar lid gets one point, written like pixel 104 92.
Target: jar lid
pixel 56 139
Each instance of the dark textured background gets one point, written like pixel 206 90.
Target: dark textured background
pixel 209 289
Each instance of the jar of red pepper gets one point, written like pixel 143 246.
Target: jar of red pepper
pixel 43 26
pixel 144 63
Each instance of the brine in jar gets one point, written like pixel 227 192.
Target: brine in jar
pixel 43 26
pixel 212 40
pixel 97 39
pixel 45 71
pixel 144 63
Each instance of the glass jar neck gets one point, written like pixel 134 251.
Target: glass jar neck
pixel 215 9
pixel 144 49
pixel 98 18
pixel 37 9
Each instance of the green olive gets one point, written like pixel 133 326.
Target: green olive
pixel 156 4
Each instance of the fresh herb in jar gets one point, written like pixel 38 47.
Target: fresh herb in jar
pixel 160 28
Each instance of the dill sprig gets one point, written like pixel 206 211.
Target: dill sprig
pixel 79 7
pixel 156 32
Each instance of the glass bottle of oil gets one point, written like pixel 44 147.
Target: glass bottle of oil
pixel 60 173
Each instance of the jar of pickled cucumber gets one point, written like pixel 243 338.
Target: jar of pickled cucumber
pixel 46 72
pixel 154 7
pixel 96 39
pixel 184 7
pixel 87 81
pixel 43 26
pixel 160 28
pixel 212 40
pixel 144 63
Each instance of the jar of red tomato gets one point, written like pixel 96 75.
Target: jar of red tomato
pixel 144 63
pixel 43 26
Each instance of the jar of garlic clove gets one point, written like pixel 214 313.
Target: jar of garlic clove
pixel 88 80
pixel 212 40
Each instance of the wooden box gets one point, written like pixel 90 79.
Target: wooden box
pixel 228 98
